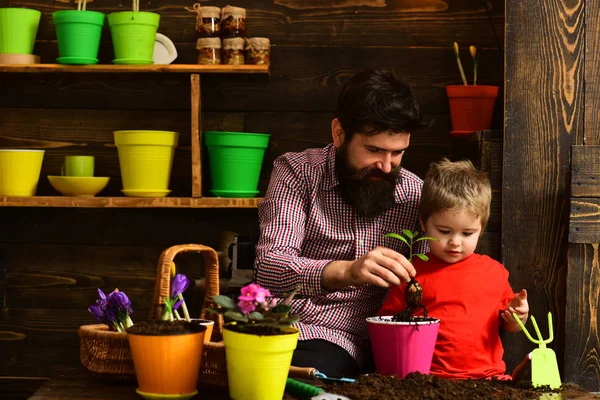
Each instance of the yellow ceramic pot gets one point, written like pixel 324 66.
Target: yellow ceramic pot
pixel 146 158
pixel 257 366
pixel 20 171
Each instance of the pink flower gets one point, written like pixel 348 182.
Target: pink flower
pixel 246 306
pixel 254 292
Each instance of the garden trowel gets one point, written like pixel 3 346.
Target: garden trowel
pixel 313 373
pixel 544 368
pixel 305 390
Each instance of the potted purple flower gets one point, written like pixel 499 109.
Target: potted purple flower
pixel 258 337
pixel 167 354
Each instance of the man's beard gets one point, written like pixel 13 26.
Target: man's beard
pixel 370 197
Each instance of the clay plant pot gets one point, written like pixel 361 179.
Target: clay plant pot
pixel 400 348
pixel 471 107
pixel 167 357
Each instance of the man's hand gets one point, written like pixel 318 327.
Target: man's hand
pixel 519 306
pixel 380 267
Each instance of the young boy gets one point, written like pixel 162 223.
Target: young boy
pixel 468 292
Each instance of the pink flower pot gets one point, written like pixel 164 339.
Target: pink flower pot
pixel 400 348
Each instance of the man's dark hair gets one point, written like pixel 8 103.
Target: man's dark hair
pixel 375 101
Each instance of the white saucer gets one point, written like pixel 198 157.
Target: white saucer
pixel 164 50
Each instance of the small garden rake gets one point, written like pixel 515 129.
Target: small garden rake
pixel 544 368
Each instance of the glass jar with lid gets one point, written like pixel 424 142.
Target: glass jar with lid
pixel 233 22
pixel 209 51
pixel 233 51
pixel 258 51
pixel 208 20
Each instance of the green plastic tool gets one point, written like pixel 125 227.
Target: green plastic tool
pixel 305 390
pixel 544 368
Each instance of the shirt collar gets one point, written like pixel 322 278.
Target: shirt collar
pixel 331 180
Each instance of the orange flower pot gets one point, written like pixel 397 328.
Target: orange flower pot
pixel 167 365
pixel 471 107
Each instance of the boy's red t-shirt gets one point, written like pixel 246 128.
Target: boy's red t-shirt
pixel 467 297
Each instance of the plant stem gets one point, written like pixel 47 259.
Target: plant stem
pixel 460 67
pixel 186 314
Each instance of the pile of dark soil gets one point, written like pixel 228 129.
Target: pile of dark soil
pixel 163 328
pixel 429 387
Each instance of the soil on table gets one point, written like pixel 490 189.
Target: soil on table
pixel 164 328
pixel 429 387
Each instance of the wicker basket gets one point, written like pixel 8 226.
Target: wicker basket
pixel 106 354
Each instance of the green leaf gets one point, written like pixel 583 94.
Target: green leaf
pixel 255 315
pixel 425 238
pixel 396 236
pixel 422 256
pixel 415 234
pixel 213 310
pixel 407 233
pixel 236 316
pixel 224 301
pixel 289 320
pixel 281 309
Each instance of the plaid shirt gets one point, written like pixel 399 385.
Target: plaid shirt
pixel 305 225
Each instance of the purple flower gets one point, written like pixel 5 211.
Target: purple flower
pixel 178 285
pixel 119 302
pixel 97 312
pixel 177 305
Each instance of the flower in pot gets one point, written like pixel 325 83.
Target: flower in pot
pixel 167 353
pixel 259 342
pixel 471 106
pixel 404 343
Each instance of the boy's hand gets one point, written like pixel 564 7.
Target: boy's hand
pixel 519 306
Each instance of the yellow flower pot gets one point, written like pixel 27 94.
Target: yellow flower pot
pixel 146 158
pixel 257 366
pixel 20 171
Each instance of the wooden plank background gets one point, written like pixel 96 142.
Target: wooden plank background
pixel 557 109
pixel 53 259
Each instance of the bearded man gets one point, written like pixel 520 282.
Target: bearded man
pixel 324 216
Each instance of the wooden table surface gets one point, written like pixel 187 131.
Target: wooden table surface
pixel 87 388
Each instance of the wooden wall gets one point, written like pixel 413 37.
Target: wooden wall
pixel 558 65
pixel 52 260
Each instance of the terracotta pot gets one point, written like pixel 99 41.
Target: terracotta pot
pixel 167 365
pixel 471 107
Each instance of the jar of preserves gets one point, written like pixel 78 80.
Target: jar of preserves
pixel 209 51
pixel 233 51
pixel 208 20
pixel 258 51
pixel 233 22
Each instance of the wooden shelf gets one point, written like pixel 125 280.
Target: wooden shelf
pixel 111 68
pixel 128 202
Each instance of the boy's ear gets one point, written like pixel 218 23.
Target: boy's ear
pixel 422 225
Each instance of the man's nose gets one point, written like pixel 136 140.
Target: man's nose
pixel 385 164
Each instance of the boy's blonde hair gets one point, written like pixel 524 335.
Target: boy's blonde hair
pixel 455 186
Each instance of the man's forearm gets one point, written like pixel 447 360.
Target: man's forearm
pixel 335 276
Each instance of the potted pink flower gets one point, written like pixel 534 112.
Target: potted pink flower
pixel 259 342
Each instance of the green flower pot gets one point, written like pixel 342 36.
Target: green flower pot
pixel 235 162
pixel 18 29
pixel 78 35
pixel 133 36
